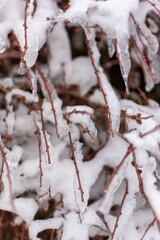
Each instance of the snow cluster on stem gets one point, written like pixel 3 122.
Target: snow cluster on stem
pixel 79 157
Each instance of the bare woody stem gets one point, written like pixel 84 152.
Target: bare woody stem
pixel 40 157
pixel 143 57
pixel 2 168
pixel 116 170
pixel 118 57
pixel 49 95
pixel 22 59
pixel 44 132
pixel 140 91
pixel 120 212
pixel 134 163
pixel 153 5
pixel 25 27
pixel 150 131
pixel 9 177
pixel 76 167
pixel 35 7
pixel 100 85
pixel 147 229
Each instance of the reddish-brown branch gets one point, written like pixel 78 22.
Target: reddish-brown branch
pixel 2 168
pixel 51 234
pixel 149 226
pixel 81 112
pixel 139 29
pixel 35 7
pixel 40 157
pixel 117 168
pixel 22 59
pixel 49 191
pixel 107 231
pixel 150 205
pixel 153 5
pixel 76 167
pixel 86 130
pixel 10 53
pixel 80 28
pixel 44 132
pixel 137 117
pixel 49 95
pixel 25 27
pixel 118 57
pixel 138 172
pixel 100 85
pixel 144 59
pixel 9 177
pixel 150 131
pixel 120 212
pixel 140 91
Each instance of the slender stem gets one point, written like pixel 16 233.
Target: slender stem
pixel 9 177
pixel 76 167
pixel 120 212
pixel 149 226
pixel 49 95
pixel 44 132
pixel 100 85
pixel 25 27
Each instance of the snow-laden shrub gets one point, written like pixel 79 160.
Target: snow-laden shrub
pixel 78 157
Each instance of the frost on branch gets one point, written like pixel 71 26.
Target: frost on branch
pixel 79 155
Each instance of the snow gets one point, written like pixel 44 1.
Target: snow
pixel 41 163
pixel 58 39
pixel 25 208
pixel 40 225
pixel 154 198
pixel 75 76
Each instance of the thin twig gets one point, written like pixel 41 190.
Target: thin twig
pixel 120 212
pixel 35 7
pixel 86 130
pixel 22 59
pixel 143 57
pixel 107 231
pixel 40 157
pixel 44 132
pixel 149 226
pixel 49 95
pixel 118 57
pixel 100 85
pixel 117 168
pixel 25 27
pixel 150 131
pixel 153 5
pixel 138 171
pixel 76 167
pixel 139 29
pixel 140 91
pixel 81 112
pixel 9 177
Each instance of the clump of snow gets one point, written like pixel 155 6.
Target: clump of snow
pixel 74 75
pixel 51 159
